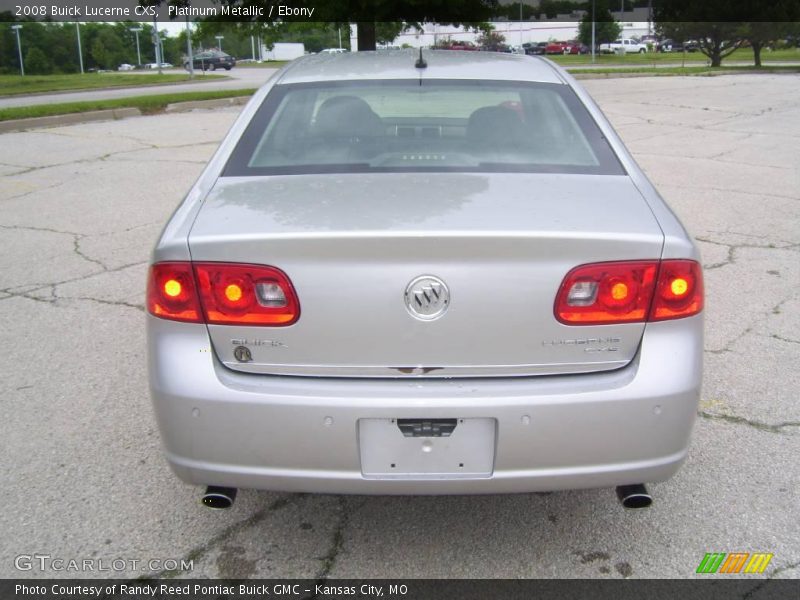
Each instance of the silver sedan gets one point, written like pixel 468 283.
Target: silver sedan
pixel 433 273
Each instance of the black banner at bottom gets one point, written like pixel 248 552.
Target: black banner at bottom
pixel 713 588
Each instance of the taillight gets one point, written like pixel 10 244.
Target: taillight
pixel 234 294
pixel 679 292
pixel 171 292
pixel 630 292
pixel 222 294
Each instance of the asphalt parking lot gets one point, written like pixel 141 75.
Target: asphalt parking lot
pixel 83 476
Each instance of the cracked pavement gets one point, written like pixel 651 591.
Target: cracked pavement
pixel 80 208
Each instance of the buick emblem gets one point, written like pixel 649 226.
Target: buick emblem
pixel 427 298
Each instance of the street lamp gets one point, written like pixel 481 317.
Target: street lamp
pixel 219 39
pixel 16 28
pixel 136 30
pixel 80 51
pixel 189 48
pixel 157 44
pixel 593 33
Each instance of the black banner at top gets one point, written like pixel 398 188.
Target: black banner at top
pixel 344 11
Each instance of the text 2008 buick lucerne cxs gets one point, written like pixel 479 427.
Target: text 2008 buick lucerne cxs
pixel 424 274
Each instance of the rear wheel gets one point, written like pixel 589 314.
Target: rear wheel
pixel 642 50
pixel 227 68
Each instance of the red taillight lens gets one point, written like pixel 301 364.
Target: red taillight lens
pixel 221 294
pixel 679 292
pixel 606 293
pixel 630 292
pixel 171 292
pixel 234 294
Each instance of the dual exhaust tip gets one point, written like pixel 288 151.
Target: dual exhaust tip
pixel 630 496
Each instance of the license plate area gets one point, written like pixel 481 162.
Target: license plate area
pixel 400 449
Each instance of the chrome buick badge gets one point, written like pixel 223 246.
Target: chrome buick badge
pixel 427 298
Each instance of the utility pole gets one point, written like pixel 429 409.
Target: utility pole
pixel 219 39
pixel 253 47
pixel 16 28
pixel 80 51
pixel 136 30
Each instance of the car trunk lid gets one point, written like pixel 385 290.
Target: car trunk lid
pixel 500 244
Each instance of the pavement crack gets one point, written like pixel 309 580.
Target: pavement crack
pixel 784 339
pixel 336 542
pixel 728 346
pixel 52 286
pixel 76 240
pixel 766 582
pixel 223 536
pixel 139 307
pixel 76 248
pixel 736 420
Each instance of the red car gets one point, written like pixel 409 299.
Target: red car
pixel 555 48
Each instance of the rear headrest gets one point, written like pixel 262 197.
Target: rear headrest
pixel 495 124
pixel 347 116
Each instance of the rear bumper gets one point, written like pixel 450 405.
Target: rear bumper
pixel 300 434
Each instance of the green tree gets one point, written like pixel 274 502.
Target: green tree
pixel 37 63
pixel 368 13
pixel 491 40
pixel 606 28
pixel 716 25
pixel 776 19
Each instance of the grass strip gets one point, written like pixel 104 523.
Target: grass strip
pixel 661 71
pixel 147 104
pixel 15 85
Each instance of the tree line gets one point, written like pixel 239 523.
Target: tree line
pixel 52 48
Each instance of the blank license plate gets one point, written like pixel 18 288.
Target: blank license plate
pixel 468 452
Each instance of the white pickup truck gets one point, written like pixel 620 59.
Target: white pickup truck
pixel 627 45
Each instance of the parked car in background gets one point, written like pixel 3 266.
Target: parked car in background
pixel 164 65
pixel 535 49
pixel 333 51
pixel 212 60
pixel 555 48
pixel 575 47
pixel 629 47
pixel 125 67
pixel 673 46
pixel 445 276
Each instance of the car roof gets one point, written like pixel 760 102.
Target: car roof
pixel 399 64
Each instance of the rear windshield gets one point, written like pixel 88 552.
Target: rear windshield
pixel 433 125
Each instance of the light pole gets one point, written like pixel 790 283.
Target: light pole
pixel 80 51
pixel 219 39
pixel 340 37
pixel 157 44
pixel 16 28
pixel 189 48
pixel 136 30
pixel 593 29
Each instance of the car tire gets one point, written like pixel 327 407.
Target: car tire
pixel 227 68
pixel 642 50
pixel 213 67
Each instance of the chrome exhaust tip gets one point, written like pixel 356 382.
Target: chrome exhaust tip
pixel 634 496
pixel 218 498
